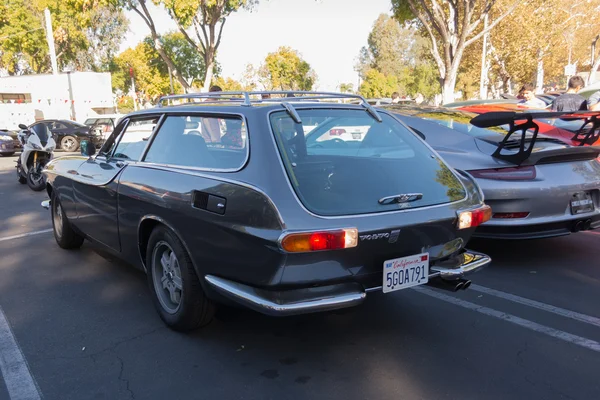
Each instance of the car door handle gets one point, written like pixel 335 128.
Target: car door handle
pixel 120 164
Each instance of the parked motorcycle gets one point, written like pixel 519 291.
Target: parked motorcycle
pixel 38 148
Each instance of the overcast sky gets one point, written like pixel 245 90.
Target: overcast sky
pixel 327 33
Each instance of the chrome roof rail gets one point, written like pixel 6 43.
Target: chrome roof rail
pixel 246 99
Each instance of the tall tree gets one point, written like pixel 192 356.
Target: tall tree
pixel 400 56
pixel 140 7
pixel 184 56
pixel 285 69
pixel 85 34
pixel 206 18
pixel 151 77
pixel 452 25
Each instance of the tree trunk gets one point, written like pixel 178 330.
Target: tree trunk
pixel 169 62
pixel 448 86
pixel 208 77
pixel 539 84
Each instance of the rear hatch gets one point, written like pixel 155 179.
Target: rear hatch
pixel 385 168
pixel 385 182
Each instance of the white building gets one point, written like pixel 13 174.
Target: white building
pixel 75 96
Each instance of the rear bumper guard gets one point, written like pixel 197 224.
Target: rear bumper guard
pixel 332 297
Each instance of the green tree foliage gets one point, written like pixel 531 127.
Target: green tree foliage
pixel 231 85
pixel 86 34
pixel 285 69
pixel 376 84
pixel 23 45
pixel 184 56
pixel 347 88
pixel 150 76
pixel 396 60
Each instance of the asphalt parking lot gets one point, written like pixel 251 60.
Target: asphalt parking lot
pixel 80 325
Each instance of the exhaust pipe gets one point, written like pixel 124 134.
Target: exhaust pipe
pixel 452 286
pixel 587 224
pixel 578 226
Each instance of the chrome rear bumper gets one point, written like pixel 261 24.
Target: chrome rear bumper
pixel 332 297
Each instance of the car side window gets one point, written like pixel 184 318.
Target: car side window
pixel 135 137
pixel 58 125
pixel 207 142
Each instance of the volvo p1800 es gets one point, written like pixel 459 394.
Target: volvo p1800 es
pixel 229 197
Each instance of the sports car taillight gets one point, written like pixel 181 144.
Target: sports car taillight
pixel 475 217
pixel 506 174
pixel 336 132
pixel 318 241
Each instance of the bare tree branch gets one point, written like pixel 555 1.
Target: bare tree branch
pixel 220 33
pixel 434 47
pixel 492 25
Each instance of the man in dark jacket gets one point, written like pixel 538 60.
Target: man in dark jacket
pixel 571 101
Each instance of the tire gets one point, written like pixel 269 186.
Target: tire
pixel 169 264
pixel 64 234
pixel 69 143
pixel 22 179
pixel 36 181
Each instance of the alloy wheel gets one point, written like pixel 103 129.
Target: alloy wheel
pixel 166 276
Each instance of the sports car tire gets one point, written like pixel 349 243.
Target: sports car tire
pixel 64 234
pixel 69 143
pixel 175 287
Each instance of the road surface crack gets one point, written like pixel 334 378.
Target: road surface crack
pixel 121 378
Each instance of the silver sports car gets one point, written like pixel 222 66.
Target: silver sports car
pixel 537 186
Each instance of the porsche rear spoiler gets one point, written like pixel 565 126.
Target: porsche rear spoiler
pixel 497 118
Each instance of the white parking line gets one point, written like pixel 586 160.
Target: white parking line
pixel 567 337
pixel 25 235
pixel 588 319
pixel 17 377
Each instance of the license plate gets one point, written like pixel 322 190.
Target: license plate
pixel 405 272
pixel 582 203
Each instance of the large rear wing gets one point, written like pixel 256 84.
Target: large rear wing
pixel 588 133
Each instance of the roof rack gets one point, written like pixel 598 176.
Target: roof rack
pixel 248 98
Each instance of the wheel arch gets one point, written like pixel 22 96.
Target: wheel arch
pixel 147 224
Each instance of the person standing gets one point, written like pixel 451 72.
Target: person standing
pixel 529 99
pixel 395 98
pixel 593 103
pixel 571 101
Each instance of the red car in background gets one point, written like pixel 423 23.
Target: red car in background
pixel 570 132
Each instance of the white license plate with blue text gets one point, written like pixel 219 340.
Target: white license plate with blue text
pixel 405 272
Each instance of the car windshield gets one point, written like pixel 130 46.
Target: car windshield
pixel 350 164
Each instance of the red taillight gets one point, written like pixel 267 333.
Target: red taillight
pixel 473 218
pixel 336 132
pixel 318 241
pixel 510 215
pixel 506 174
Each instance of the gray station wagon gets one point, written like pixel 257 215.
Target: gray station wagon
pixel 265 202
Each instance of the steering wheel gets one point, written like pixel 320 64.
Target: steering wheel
pixel 338 140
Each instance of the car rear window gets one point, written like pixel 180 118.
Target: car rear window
pixel 348 163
